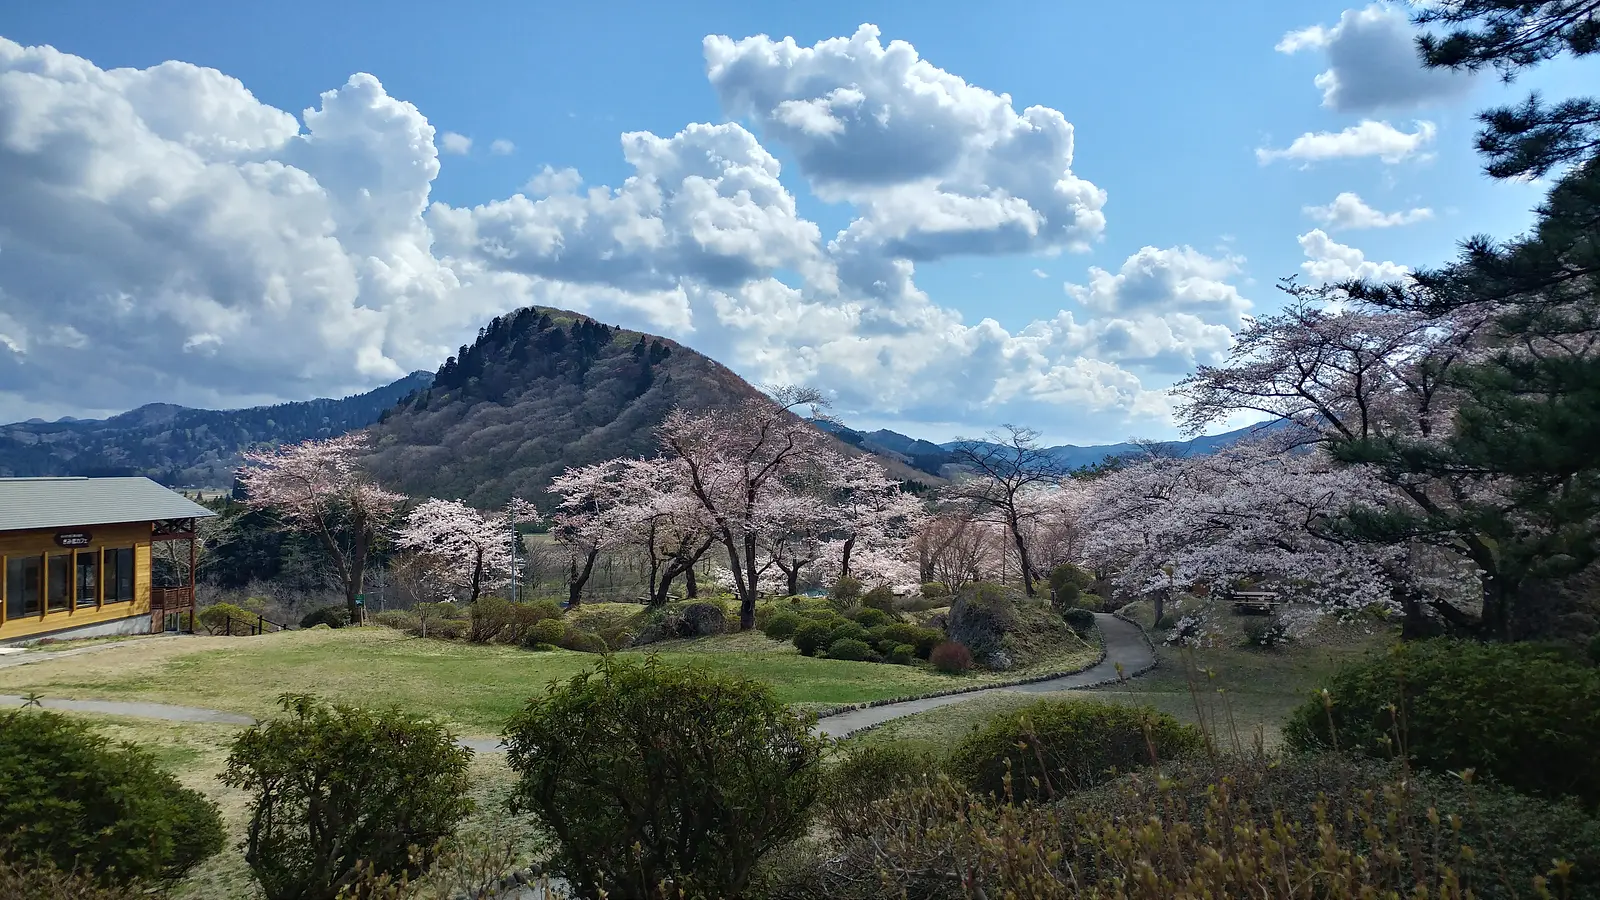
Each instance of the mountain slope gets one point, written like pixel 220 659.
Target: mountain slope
pixel 178 445
pixel 541 390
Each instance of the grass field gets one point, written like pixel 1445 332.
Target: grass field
pixel 1236 690
pixel 471 687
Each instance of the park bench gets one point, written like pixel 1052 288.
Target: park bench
pixel 1263 603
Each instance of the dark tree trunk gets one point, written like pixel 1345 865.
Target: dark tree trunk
pixel 1022 556
pixel 794 579
pixel 358 571
pixel 576 580
pixel 844 561
pixel 691 585
pixel 747 603
pixel 477 576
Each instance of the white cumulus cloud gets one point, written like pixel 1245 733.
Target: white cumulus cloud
pixel 502 147
pixel 1373 63
pixel 1328 261
pixel 1369 138
pixel 458 144
pixel 1349 211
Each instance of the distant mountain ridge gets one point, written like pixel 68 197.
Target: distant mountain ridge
pixel 542 390
pixel 932 458
pixel 181 446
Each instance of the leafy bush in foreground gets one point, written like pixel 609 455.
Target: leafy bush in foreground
pixel 337 790
pixel 73 798
pixel 39 879
pixel 1520 715
pixel 1285 829
pixel 1052 748
pixel 659 779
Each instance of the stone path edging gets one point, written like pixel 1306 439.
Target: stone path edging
pixel 1137 652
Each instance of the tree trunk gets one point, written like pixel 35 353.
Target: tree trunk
pixel 659 595
pixel 691 586
pixel 1159 600
pixel 747 602
pixel 794 579
pixel 477 575
pixel 844 561
pixel 358 571
pixel 1022 556
pixel 576 580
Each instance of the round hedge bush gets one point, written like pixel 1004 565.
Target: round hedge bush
pixel 901 655
pixel 847 630
pixel 981 616
pixel 545 631
pixel 782 626
pixel 880 598
pixel 811 637
pixel 871 617
pixel 229 618
pixel 582 641
pixel 331 616
pixel 86 804
pixel 1519 714
pixel 1057 747
pixel 851 649
pixel 951 658
pixel 650 775
pixel 1081 620
pixel 935 590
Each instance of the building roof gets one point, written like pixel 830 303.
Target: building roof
pixel 71 502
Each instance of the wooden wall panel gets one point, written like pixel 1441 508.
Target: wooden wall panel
pixel 33 543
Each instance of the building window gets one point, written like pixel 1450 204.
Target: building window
pixel 119 574
pixel 58 586
pixel 88 577
pixel 22 586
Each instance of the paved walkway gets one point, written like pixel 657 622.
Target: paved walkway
pixel 1125 644
pixel 22 657
pixel 163 711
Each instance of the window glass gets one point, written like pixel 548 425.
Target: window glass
pixel 22 586
pixel 58 584
pixel 88 577
pixel 119 574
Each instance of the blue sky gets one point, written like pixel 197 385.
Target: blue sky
pixel 1170 106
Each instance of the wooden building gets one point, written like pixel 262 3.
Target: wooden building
pixel 77 557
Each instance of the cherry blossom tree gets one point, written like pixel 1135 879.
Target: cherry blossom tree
pixel 592 517
pixel 869 511
pixel 319 487
pixel 735 461
pixel 1000 471
pixel 472 551
pixel 953 546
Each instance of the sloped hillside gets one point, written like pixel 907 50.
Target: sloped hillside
pixel 540 390
pixel 177 445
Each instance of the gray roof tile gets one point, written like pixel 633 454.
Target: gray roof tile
pixel 68 502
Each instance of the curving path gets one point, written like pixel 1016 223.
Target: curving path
pixel 1125 645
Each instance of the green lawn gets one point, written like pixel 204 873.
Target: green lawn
pixel 1238 691
pixel 472 687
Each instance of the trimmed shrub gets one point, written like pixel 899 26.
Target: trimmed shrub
pixel 935 590
pixel 980 617
pixel 1092 602
pixel 582 641
pixel 1515 837
pixel 398 619
pixel 1068 582
pixel 782 626
pixel 522 616
pixel 951 658
pixel 851 649
pixel 1081 620
pixel 1517 714
pixel 544 631
pixel 869 617
pixel 811 637
pixel 923 639
pixel 448 629
pixel 1268 634
pixel 334 616
pixel 880 598
pixel 845 593
pixel 490 617
pixel 71 796
pixel 618 763
pixel 701 619
pixel 863 774
pixel 1052 748
pixel 335 787
pixel 844 629
pixel 901 655
pixel 219 618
